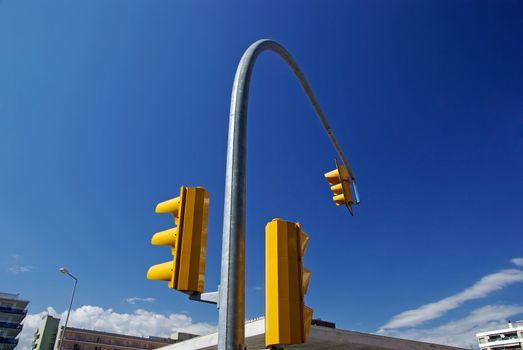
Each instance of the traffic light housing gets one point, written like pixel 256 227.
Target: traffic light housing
pixel 287 319
pixel 339 180
pixel 188 241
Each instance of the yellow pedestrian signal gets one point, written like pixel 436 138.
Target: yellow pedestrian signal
pixel 287 319
pixel 339 180
pixel 188 241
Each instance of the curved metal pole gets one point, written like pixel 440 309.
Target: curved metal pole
pixel 232 285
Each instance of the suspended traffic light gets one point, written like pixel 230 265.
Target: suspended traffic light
pixel 339 180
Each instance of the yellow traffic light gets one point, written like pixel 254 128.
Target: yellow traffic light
pixel 339 180
pixel 188 241
pixel 287 319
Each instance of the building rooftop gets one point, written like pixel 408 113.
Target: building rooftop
pixel 15 298
pixel 512 327
pixel 150 338
pixel 320 337
pixel 9 295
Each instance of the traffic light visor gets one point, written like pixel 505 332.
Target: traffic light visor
pixel 333 176
pixel 161 272
pixel 167 237
pixel 169 206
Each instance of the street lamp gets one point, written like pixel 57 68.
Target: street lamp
pixel 66 272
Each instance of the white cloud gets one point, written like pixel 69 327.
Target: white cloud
pixel 141 323
pixel 517 261
pixel 480 289
pixel 134 300
pixel 19 268
pixel 462 332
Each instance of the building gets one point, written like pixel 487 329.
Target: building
pixel 12 313
pixel 509 338
pixel 181 336
pixel 45 335
pixel 322 335
pixel 83 339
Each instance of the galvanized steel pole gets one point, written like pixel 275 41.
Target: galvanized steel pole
pixel 66 272
pixel 232 285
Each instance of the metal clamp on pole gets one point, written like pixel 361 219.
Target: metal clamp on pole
pixel 209 297
pixel 356 194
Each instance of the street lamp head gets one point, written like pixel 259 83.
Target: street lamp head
pixel 63 270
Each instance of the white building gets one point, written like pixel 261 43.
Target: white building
pixel 12 313
pixel 510 338
pixel 320 338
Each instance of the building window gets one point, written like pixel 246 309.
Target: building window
pixel 76 347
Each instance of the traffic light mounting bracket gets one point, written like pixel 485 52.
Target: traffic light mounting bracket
pixel 209 297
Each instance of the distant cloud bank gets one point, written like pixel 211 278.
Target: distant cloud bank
pixel 134 300
pixel 141 323
pixel 16 265
pixel 20 268
pixel 459 332
pixel 462 332
pixel 481 289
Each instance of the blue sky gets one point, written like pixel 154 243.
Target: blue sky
pixel 107 107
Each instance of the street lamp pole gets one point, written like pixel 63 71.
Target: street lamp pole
pixel 66 272
pixel 232 284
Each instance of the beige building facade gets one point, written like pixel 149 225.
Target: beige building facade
pixel 45 335
pixel 83 339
